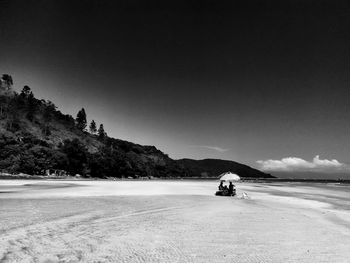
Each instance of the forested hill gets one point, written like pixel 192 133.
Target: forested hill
pixel 36 137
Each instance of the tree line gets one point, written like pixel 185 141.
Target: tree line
pixel 81 124
pixel 36 137
pixel 29 143
pixel 21 151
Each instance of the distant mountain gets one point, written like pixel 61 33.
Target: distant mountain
pixel 214 167
pixel 36 138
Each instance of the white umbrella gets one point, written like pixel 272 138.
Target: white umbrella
pixel 229 177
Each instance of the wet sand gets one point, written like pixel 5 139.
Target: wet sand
pixel 172 221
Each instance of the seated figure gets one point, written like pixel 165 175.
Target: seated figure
pixel 231 189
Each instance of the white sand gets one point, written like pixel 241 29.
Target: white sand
pixel 172 221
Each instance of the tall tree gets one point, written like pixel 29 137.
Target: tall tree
pixel 81 120
pixel 101 132
pixel 49 109
pixel 3 104
pixel 31 106
pixel 93 128
pixel 6 81
pixel 12 115
pixel 25 91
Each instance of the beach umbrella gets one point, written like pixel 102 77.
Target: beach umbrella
pixel 229 177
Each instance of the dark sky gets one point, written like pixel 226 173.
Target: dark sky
pixel 240 80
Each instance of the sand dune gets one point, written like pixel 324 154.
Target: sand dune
pixel 172 221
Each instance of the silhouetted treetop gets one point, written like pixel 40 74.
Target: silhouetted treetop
pixel 81 120
pixel 92 127
pixel 101 132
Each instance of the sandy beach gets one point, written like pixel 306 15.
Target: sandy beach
pixel 172 221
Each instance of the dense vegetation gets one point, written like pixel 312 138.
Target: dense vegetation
pixel 36 138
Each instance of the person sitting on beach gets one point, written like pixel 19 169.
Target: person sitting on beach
pixel 231 189
pixel 221 186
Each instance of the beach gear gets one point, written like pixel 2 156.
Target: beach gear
pixel 229 177
pixel 225 193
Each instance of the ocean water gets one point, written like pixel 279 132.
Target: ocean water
pixel 312 175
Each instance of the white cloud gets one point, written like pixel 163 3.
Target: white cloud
pixel 299 164
pixel 215 148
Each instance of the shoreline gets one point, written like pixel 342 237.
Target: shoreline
pixel 244 179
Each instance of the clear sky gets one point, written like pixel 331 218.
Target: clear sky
pixel 240 80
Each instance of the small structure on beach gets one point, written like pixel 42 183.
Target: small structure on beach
pixel 56 172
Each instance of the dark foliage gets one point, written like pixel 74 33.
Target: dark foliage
pixel 101 132
pixel 77 156
pixel 29 155
pixel 107 163
pixel 36 137
pixel 81 120
pixel 92 127
pixel 6 80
